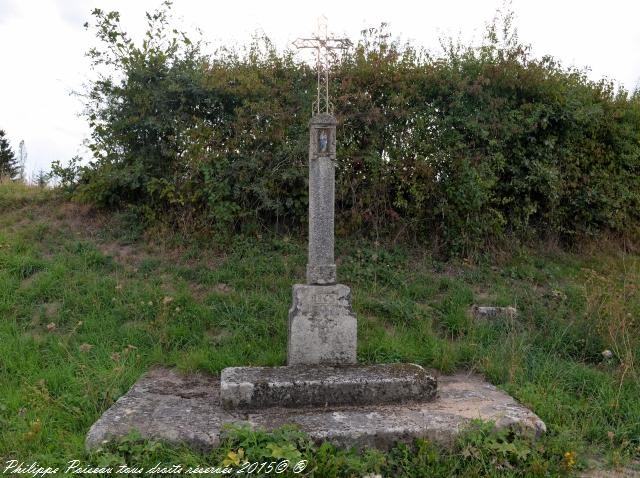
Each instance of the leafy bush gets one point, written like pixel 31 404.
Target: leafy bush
pixel 481 144
pixel 480 451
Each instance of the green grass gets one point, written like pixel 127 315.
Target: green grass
pixel 88 303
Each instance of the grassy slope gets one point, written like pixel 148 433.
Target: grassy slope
pixel 69 278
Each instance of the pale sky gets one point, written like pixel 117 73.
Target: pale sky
pixel 42 45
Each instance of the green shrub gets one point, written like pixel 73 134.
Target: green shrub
pixel 478 145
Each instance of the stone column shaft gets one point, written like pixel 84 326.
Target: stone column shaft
pixel 321 268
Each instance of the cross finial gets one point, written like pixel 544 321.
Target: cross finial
pixel 324 46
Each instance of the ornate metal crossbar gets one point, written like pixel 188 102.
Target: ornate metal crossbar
pixel 325 47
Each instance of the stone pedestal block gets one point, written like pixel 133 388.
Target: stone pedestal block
pixel 322 326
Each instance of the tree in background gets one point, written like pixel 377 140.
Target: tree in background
pixel 41 179
pixel 8 163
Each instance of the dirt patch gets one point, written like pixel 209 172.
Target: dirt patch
pixel 598 468
pixel 36 335
pixel 80 218
pixel 448 270
pixel 100 227
pixel 223 288
pixel 482 295
pixel 88 223
pixel 217 336
pixel 45 311
pixel 124 254
pixel 198 291
pixel 51 309
pixel 167 284
pixel 26 283
pixel 613 473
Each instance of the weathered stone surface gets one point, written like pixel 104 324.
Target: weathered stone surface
pixel 321 267
pixel 322 326
pixel 485 312
pixel 602 470
pixel 461 398
pixel 304 386
pixel 321 274
pixel 167 406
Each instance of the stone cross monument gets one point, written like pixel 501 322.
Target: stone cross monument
pixel 321 389
pixel 322 326
pixel 322 368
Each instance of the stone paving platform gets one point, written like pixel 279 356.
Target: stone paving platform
pixel 168 406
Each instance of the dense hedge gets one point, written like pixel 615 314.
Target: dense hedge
pixel 477 145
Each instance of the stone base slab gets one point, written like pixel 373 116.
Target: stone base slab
pixel 322 386
pixel 168 406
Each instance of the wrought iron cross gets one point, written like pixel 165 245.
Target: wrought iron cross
pixel 325 48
